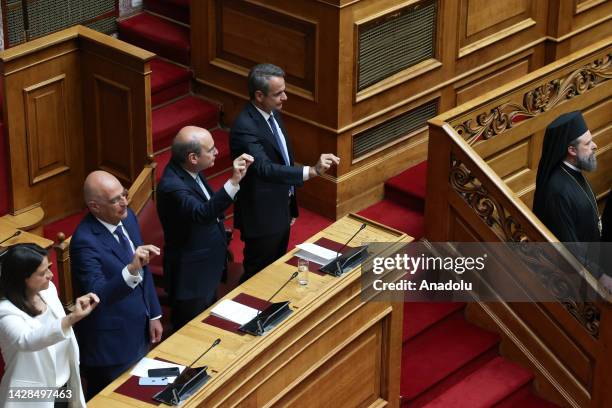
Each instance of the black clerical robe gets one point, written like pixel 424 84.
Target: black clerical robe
pixel 570 212
pixel 570 209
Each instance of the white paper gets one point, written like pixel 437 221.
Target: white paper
pixel 315 253
pixel 142 368
pixel 235 312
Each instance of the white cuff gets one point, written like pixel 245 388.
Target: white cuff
pixel 306 172
pixel 131 280
pixel 231 189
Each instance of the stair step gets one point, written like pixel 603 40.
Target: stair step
pixel 168 120
pixel 418 316
pixel 409 187
pixel 525 399
pixel 397 216
pixel 440 351
pixel 491 384
pixel 175 9
pixel 168 81
pixel 158 35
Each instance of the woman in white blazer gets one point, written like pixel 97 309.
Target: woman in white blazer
pixel 38 345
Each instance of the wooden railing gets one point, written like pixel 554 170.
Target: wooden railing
pixel 483 158
pixel 140 192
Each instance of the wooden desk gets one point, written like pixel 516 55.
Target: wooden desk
pixel 7 229
pixel 333 350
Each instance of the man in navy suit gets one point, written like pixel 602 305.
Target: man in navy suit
pixel 108 258
pixel 191 214
pixel 266 206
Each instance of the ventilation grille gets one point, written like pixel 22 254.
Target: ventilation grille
pixel 396 42
pixel 393 129
pixel 48 16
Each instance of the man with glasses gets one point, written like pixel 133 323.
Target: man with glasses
pixel 108 258
pixel 191 214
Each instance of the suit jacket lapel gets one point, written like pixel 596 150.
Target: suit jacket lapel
pixel 107 239
pixel 264 127
pixel 188 180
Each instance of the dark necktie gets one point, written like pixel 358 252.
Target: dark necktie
pixel 277 136
pixel 281 147
pixel 123 241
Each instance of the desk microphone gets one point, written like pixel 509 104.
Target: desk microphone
pixel 215 343
pixel 11 237
pixel 258 321
pixel 339 252
pixel 293 276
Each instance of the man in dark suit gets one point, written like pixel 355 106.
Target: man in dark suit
pixel 191 214
pixel 266 206
pixel 108 258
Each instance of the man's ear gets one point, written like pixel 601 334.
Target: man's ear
pixel 572 151
pixel 93 206
pixel 259 96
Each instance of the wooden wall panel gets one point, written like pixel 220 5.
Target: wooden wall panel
pixel 117 118
pixel 244 47
pixel 113 124
pixel 43 124
pixel 483 22
pixel 46 125
pixel 356 364
pixel 490 81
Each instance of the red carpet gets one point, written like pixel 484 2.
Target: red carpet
pixel 489 385
pixel 409 187
pixel 175 9
pixel 168 81
pixel 435 354
pixel 157 35
pixel 397 216
pixel 418 316
pixel 168 120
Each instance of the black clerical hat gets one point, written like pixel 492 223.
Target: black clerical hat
pixel 559 134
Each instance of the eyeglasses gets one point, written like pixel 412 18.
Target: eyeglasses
pixel 122 196
pixel 212 150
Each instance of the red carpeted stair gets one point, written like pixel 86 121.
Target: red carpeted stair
pixel 168 120
pixel 158 35
pixel 404 202
pixel 168 81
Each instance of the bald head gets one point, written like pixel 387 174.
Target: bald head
pixel 105 197
pixel 194 148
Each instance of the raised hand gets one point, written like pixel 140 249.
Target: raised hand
pixel 240 166
pixel 325 162
pixel 142 257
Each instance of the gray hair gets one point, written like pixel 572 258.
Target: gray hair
pixel 182 149
pixel 259 78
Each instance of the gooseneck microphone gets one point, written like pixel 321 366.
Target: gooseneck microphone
pixel 339 252
pixel 11 237
pixel 293 276
pixel 215 343
pixel 258 322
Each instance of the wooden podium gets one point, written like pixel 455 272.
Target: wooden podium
pixel 335 349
